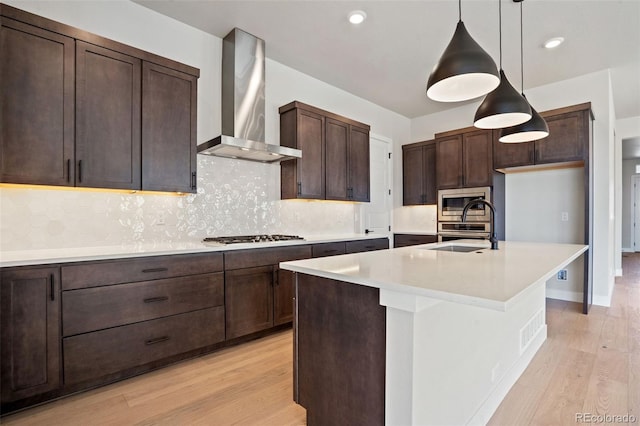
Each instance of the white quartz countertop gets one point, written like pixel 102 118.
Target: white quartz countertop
pixel 488 278
pixel 81 254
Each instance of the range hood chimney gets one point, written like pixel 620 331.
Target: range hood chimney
pixel 243 104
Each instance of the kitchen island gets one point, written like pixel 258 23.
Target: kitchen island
pixel 416 335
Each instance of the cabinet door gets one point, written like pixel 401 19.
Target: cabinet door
pixel 359 179
pixel 566 140
pixel 477 157
pixel 311 167
pixel 412 176
pixel 30 329
pixel 248 300
pixel 449 160
pixel 107 118
pixel 512 154
pixel 283 297
pixel 336 146
pixel 37 98
pixel 430 187
pixel 168 129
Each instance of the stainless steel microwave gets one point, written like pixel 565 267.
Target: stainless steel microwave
pixel 452 201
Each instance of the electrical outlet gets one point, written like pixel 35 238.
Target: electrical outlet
pixel 494 372
pixel 564 216
pixel 160 220
pixel 562 275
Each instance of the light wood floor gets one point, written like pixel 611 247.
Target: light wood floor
pixel 589 364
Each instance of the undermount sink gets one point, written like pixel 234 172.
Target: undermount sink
pixel 457 249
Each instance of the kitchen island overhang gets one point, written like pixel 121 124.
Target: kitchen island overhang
pixel 451 356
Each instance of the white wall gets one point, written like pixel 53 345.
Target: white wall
pixel 534 214
pixel 628 171
pixel 234 196
pixel 594 88
pixel 625 129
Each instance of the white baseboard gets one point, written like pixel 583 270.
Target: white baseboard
pixel 570 296
pixel 619 272
pixel 491 404
pixel 627 250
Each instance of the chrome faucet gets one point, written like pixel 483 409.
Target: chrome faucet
pixel 493 239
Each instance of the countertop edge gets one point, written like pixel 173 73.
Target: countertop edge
pixel 135 251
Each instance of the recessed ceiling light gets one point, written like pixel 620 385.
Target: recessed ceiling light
pixel 553 42
pixel 357 16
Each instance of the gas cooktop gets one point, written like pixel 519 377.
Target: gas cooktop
pixel 251 239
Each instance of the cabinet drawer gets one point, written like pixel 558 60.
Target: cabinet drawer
pixel 141 269
pixel 328 249
pixel 367 245
pixel 251 258
pixel 404 240
pixel 93 355
pixel 103 307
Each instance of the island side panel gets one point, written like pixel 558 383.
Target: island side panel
pixel 339 352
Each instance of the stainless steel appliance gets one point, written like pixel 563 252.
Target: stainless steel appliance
pixel 261 238
pixel 451 202
pixel 243 104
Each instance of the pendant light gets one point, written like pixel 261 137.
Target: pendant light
pixel 465 71
pixel 534 129
pixel 504 106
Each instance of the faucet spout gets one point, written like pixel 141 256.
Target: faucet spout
pixel 493 238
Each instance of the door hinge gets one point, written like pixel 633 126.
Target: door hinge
pixel 389 192
pixel 389 156
pixel 389 227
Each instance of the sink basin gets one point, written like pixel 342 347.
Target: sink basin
pixel 457 249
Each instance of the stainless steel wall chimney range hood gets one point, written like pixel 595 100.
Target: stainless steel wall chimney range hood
pixel 243 104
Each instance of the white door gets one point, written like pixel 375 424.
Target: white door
pixel 375 216
pixel 636 212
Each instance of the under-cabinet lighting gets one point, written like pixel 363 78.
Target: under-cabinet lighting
pixel 83 189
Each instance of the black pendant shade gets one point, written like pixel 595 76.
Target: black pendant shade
pixel 534 129
pixel 465 70
pixel 504 107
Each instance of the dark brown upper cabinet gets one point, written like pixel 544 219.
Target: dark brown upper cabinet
pixel 107 118
pixel 335 155
pixel 37 97
pixel 169 102
pixel 82 110
pixel 567 141
pixel 419 173
pixel 464 158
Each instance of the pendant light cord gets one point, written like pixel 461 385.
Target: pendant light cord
pixel 500 29
pixel 460 10
pixel 521 53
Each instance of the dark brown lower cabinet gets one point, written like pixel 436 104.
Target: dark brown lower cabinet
pixel 92 355
pixel 404 240
pixel 249 300
pixel 339 362
pixel 283 297
pixel 30 329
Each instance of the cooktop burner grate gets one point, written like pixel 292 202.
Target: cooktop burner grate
pixel 251 238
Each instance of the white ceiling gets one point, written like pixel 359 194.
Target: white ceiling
pixel 388 58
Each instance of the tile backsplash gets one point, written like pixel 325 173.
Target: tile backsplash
pixel 234 197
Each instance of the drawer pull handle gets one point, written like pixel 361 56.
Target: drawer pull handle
pixel 156 299
pixel 155 270
pixel 156 340
pixel 52 287
pixel 330 251
pixel 369 247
